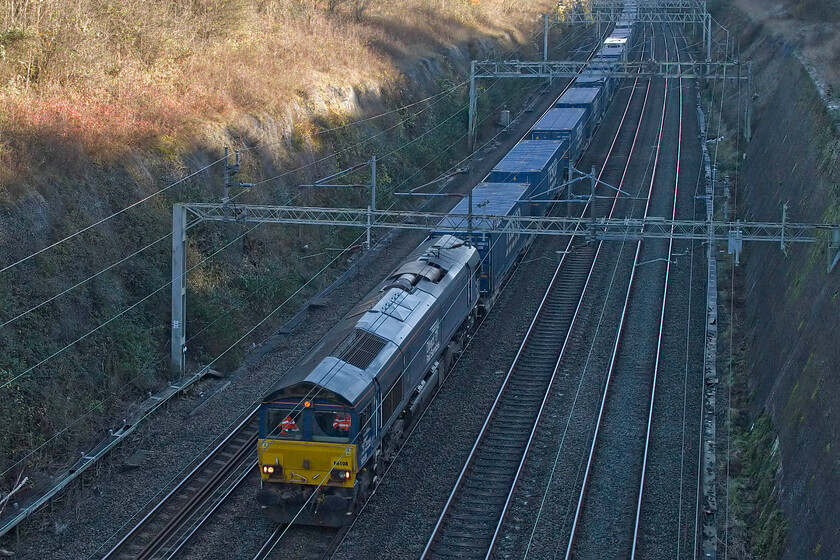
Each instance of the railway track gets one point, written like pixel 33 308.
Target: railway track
pixel 637 526
pixel 468 525
pixel 607 520
pixel 176 518
pixel 509 433
pixel 667 505
pixel 474 513
pixel 543 356
pixel 646 434
pixel 309 543
pixel 167 528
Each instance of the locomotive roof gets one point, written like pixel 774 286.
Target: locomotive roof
pixel 346 361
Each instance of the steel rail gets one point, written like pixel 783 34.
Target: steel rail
pixel 586 285
pixel 528 337
pixel 621 183
pixel 192 516
pixel 125 541
pixel 700 390
pixel 636 523
pixel 613 358
pixel 269 544
pixel 279 533
pixel 330 539
pixel 180 490
pixel 499 396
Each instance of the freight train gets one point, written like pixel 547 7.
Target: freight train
pixel 332 424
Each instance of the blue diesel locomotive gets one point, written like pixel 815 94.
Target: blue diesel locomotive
pixel 332 423
pixel 330 426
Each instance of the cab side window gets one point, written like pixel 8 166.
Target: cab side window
pixel 285 423
pixel 332 426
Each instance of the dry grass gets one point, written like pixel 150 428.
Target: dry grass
pixel 104 101
pixel 100 77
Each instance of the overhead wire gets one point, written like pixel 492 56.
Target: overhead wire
pixel 79 339
pixel 346 149
pixel 392 111
pixel 452 89
pixel 230 425
pixel 78 420
pixel 317 389
pixel 109 267
pixel 687 361
pixel 731 309
pixel 109 217
pixel 179 181
pixel 115 394
pixel 91 277
pixel 271 381
pixel 115 317
pixel 85 281
pixel 580 384
pixel 440 152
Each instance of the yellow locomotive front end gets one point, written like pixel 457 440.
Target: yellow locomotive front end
pixel 307 463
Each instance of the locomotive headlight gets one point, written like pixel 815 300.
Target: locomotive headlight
pixel 340 475
pixel 268 469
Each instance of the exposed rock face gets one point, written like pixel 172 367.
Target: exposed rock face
pixel 791 309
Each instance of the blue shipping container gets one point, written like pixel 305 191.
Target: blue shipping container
pixel 541 163
pixel 498 251
pixel 595 78
pixel 584 98
pixel 563 124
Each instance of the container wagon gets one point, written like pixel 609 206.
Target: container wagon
pixel 589 99
pixel 497 251
pixel 564 124
pixel 540 163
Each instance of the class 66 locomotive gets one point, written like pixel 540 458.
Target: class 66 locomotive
pixel 331 425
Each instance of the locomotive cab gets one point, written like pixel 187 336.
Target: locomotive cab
pixel 307 459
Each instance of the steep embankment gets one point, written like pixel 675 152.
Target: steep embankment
pixel 788 314
pixel 107 104
pixel 792 310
